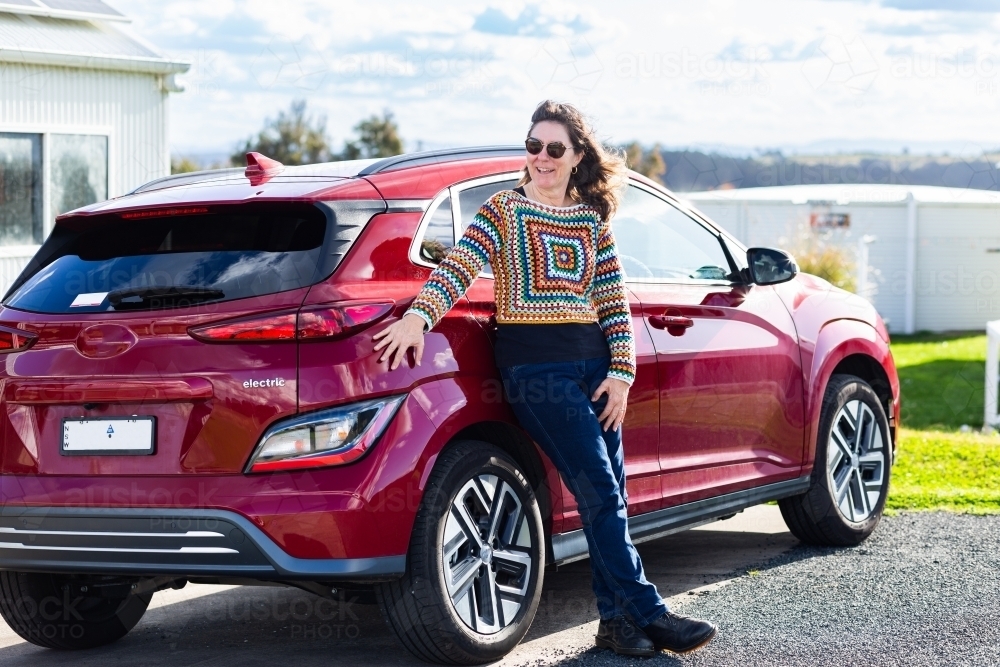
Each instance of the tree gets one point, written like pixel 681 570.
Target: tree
pixel 648 163
pixel 633 155
pixel 292 138
pixel 377 137
pixel 652 163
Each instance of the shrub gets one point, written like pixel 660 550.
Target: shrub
pixel 817 254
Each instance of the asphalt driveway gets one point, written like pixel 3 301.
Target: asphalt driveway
pixel 924 590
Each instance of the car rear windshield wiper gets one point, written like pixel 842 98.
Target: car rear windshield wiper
pixel 151 298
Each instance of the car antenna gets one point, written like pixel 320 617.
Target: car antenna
pixel 261 168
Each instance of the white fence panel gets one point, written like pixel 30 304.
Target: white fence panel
pixel 991 414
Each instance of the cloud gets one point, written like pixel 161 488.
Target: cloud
pixel 955 24
pixel 463 73
pixel 944 5
pixel 530 22
pixel 914 29
pixel 784 51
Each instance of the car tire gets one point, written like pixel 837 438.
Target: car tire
pixel 474 569
pixel 65 611
pixel 850 479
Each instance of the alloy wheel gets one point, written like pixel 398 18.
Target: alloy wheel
pixel 487 554
pixel 856 459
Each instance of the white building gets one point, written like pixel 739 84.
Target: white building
pixel 83 116
pixel 934 261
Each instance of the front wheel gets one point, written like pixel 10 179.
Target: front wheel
pixel 474 569
pixel 850 479
pixel 69 611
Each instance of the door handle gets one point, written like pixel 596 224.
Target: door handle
pixel 671 321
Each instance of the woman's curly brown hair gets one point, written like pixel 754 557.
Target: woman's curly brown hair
pixel 601 173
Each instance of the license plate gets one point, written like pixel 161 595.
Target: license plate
pixel 129 436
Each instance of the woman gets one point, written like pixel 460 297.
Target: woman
pixel 564 339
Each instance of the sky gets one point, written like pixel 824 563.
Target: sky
pixel 796 75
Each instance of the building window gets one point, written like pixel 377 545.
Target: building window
pixel 76 166
pixel 20 189
pixel 79 168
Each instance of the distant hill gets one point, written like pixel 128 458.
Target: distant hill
pixel 689 171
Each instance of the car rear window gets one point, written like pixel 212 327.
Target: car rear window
pixel 173 261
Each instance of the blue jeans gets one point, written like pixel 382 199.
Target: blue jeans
pixel 552 402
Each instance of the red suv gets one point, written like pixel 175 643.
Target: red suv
pixel 189 394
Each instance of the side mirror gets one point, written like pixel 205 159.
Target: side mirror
pixel 770 266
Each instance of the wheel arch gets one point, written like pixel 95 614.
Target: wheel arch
pixel 868 369
pixel 481 414
pixel 522 449
pixel 849 347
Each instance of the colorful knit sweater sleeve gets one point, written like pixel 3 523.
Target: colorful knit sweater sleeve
pixel 453 276
pixel 611 303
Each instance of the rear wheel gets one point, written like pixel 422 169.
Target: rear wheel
pixel 68 611
pixel 474 570
pixel 850 479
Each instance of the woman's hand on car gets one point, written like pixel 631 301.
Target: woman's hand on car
pixel 399 337
pixel 614 412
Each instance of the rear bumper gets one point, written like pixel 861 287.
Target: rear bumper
pixel 352 514
pixel 191 542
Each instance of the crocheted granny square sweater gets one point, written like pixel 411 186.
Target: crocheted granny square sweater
pixel 551 265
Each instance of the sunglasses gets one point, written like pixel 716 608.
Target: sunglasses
pixel 555 149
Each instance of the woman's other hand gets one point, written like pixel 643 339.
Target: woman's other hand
pixel 614 412
pixel 399 337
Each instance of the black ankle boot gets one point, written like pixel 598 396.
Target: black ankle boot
pixel 623 637
pixel 679 634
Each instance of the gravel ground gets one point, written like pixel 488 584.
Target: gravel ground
pixel 923 590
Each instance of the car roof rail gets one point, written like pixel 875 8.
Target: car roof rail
pixel 189 177
pixel 438 156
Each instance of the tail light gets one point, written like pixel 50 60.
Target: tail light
pixel 163 212
pixel 15 340
pixel 269 329
pixel 326 438
pixel 338 321
pixel 319 323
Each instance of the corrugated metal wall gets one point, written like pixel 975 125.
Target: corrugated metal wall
pixel 757 223
pixel 886 255
pixel 958 266
pixel 62 99
pixel 129 107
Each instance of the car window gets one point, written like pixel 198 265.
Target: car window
pixel 174 261
pixel 439 235
pixel 656 241
pixel 472 199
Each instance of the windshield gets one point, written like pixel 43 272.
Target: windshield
pixel 176 261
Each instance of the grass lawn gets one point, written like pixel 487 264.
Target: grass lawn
pixel 941 377
pixel 938 470
pixel 939 467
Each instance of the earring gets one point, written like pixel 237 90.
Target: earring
pixel 574 170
